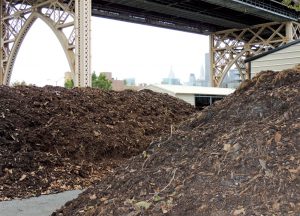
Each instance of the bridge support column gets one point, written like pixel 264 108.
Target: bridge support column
pixel 289 31
pixel 83 43
pixel 70 22
pixel 211 59
pixel 230 48
pixel 1 42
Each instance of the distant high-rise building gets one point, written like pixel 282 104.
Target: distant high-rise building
pixel 202 73
pixel 120 85
pixel 207 69
pixel 108 75
pixel 171 80
pixel 201 81
pixel 192 80
pixel 232 79
pixel 130 82
pixel 117 85
pixel 171 74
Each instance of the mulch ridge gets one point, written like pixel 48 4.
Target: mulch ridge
pixel 240 156
pixel 53 139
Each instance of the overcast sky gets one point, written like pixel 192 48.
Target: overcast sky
pixel 125 49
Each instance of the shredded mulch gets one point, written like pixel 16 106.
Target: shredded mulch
pixel 241 156
pixel 53 139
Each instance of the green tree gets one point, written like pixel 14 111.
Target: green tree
pixel 97 82
pixel 18 83
pixel 69 84
pixel 293 4
pixel 101 82
pixel 94 79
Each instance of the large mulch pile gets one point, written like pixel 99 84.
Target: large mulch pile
pixel 240 156
pixel 53 139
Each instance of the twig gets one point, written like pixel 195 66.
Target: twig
pixel 153 142
pixel 57 151
pixel 171 134
pixel 247 183
pixel 147 160
pixel 247 188
pixel 173 177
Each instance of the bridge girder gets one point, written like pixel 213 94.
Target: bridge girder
pixel 70 22
pixel 230 48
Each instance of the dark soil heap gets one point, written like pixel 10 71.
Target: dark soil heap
pixel 53 139
pixel 240 156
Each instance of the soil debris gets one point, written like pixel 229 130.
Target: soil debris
pixel 53 139
pixel 241 156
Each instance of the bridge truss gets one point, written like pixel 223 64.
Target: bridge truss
pixel 68 19
pixel 229 48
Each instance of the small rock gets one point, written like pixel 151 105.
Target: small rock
pixel 93 197
pixel 277 137
pixel 227 147
pixel 240 211
pixel 22 177
pixel 236 147
pixel 263 164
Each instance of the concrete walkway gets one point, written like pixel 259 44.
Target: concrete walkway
pixel 37 206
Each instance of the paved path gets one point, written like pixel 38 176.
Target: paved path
pixel 37 206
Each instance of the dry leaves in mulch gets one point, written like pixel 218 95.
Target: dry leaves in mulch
pixel 240 156
pixel 53 139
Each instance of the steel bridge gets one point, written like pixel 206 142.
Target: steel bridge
pixel 237 28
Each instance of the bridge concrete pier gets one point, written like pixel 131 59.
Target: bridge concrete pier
pixel 231 47
pixel 70 22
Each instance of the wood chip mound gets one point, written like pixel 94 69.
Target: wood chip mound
pixel 240 156
pixel 53 139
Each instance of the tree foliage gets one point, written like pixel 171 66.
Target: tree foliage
pixel 97 82
pixel 101 82
pixel 293 4
pixel 18 83
pixel 69 84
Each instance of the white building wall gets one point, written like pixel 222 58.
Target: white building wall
pixel 189 98
pixel 277 61
pixel 187 93
pixel 160 90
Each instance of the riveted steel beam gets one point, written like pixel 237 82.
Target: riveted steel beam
pixel 83 43
pixel 2 33
pixel 69 23
pixel 177 12
pixel 264 9
pixel 231 47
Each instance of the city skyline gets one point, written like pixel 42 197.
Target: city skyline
pixel 201 78
pixel 125 49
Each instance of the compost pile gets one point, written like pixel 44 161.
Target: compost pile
pixel 53 139
pixel 240 156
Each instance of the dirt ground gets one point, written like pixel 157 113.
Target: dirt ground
pixel 240 156
pixel 53 139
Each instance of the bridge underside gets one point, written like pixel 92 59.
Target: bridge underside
pixel 68 19
pixel 204 17
pixel 254 26
pixel 229 48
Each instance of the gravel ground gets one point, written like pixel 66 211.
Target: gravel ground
pixel 37 206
